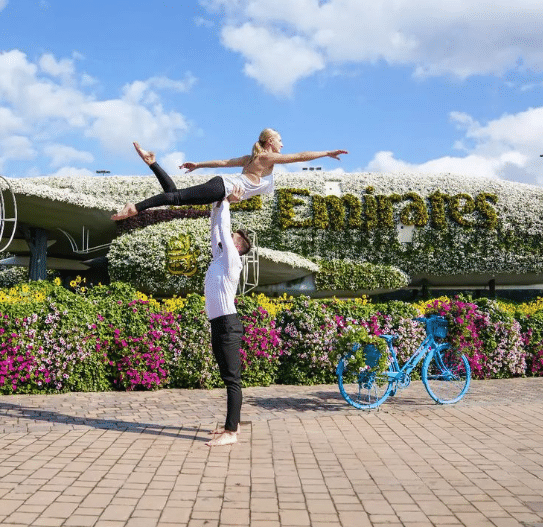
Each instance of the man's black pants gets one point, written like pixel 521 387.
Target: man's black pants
pixel 226 333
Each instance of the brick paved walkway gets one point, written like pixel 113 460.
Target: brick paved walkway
pixel 305 458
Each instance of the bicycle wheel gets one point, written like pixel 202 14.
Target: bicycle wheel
pixel 362 388
pixel 446 375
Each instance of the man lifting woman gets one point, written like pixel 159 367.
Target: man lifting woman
pixel 222 276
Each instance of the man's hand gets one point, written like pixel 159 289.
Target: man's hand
pixel 236 195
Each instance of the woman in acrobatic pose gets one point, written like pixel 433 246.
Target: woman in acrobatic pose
pixel 256 175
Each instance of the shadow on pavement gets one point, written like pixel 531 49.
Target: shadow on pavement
pixel 331 400
pixel 20 412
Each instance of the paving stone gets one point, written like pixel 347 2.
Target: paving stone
pixel 305 458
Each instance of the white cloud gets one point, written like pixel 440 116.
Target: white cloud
pixel 17 147
pixel 115 123
pixel 460 37
pixel 164 83
pixel 471 165
pixel 171 162
pixel 274 60
pixel 522 130
pixel 506 148
pixel 143 91
pixel 9 122
pixel 51 99
pixel 61 155
pixel 3 3
pixel 72 172
pixel 15 73
pixel 41 100
pixel 57 68
pixel 88 80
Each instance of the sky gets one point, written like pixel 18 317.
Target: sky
pixel 404 85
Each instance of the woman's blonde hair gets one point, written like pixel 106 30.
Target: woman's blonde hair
pixel 263 138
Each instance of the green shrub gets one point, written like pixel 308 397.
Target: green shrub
pixel 46 342
pixel 262 345
pixel 111 337
pixel 309 336
pixel 192 363
pixel 349 275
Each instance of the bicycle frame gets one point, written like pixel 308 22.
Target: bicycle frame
pixel 428 345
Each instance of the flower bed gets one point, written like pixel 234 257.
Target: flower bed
pixel 112 337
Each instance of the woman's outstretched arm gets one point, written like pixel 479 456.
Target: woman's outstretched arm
pixel 273 158
pixel 219 163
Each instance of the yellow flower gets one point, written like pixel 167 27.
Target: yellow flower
pixel 531 308
pixel 422 306
pixel 173 304
pixel 273 306
pixel 73 283
pixel 57 281
pixel 363 300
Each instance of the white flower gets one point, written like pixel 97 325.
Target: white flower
pixel 455 250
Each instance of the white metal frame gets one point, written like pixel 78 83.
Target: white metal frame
pixel 250 262
pixel 85 240
pixel 3 219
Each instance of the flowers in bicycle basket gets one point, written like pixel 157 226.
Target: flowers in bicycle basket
pixel 371 353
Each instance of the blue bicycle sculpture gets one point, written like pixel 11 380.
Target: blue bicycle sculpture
pixel 445 371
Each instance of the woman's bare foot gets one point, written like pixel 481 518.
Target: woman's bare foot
pixel 226 438
pixel 148 157
pixel 128 211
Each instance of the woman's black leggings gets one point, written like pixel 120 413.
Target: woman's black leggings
pixel 208 192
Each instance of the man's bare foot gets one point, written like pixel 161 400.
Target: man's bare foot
pixel 221 431
pixel 148 157
pixel 226 438
pixel 128 211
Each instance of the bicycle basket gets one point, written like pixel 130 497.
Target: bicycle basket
pixel 371 355
pixel 437 326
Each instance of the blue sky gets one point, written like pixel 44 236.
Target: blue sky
pixel 408 85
